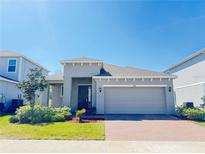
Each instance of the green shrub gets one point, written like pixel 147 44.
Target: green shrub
pixel 180 111
pixel 41 114
pixel 24 114
pixel 80 113
pixel 195 114
pixel 58 117
pixel 191 113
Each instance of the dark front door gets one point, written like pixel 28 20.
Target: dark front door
pixel 84 97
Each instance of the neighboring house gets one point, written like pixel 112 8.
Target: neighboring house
pixel 90 83
pixel 14 67
pixel 190 83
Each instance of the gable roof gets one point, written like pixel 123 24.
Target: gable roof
pixel 81 60
pixel 55 77
pixel 196 54
pixel 114 70
pixel 109 70
pixel 12 54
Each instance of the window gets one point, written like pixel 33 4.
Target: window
pixel 61 91
pixel 12 65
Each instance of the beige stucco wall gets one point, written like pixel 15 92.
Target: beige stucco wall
pixel 190 94
pixel 25 69
pixel 10 91
pixel 77 70
pixel 169 96
pixel 55 94
pixel 189 85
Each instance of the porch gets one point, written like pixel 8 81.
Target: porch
pixel 81 94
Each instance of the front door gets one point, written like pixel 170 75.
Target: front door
pixel 84 96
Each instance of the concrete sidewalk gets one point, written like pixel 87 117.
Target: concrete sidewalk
pixel 63 146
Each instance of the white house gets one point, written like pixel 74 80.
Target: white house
pixel 14 67
pixel 92 84
pixel 190 83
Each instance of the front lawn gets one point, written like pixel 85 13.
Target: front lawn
pixel 201 123
pixel 57 130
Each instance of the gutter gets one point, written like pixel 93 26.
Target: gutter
pixel 7 80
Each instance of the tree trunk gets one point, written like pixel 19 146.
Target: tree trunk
pixel 32 103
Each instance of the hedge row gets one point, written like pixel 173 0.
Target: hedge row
pixel 191 113
pixel 40 114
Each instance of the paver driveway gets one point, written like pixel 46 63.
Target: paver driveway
pixel 152 128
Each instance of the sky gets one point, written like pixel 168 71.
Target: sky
pixel 145 34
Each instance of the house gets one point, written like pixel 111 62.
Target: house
pixel 14 68
pixel 92 84
pixel 190 83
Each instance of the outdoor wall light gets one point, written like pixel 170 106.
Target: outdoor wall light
pixel 170 89
pixel 100 89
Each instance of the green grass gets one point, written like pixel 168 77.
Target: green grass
pixel 57 130
pixel 201 123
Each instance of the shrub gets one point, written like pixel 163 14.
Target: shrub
pixel 180 111
pixel 80 113
pixel 195 114
pixel 58 117
pixel 24 114
pixel 190 113
pixel 41 114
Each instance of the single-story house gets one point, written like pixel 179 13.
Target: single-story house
pixel 190 83
pixel 110 89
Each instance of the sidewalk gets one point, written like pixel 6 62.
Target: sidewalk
pixel 98 146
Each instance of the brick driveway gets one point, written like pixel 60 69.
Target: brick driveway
pixel 152 128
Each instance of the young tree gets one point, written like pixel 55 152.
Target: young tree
pixel 35 82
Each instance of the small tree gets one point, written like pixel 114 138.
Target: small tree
pixel 79 114
pixel 35 82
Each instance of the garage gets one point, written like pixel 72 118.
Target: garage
pixel 134 100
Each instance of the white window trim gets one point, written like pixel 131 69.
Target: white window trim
pixel 9 65
pixel 20 69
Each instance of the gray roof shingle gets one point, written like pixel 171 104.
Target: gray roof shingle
pixel 81 59
pixel 55 77
pixel 9 54
pixel 114 70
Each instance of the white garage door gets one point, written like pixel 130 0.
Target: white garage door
pixel 132 100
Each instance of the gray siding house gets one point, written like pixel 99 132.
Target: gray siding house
pixel 190 83
pixel 110 89
pixel 14 67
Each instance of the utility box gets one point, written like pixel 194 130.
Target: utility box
pixel 188 104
